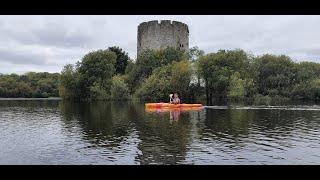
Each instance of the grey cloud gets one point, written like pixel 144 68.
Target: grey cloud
pixel 314 51
pixel 60 38
pixel 52 35
pixel 49 41
pixel 16 57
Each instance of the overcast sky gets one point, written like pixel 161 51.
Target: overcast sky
pixel 47 43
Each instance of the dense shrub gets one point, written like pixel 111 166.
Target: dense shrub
pixel 119 89
pixel 174 77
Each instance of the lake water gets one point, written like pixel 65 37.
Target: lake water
pixel 57 132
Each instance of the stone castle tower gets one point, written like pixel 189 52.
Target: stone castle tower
pixel 157 35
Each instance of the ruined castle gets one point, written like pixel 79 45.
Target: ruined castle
pixel 157 35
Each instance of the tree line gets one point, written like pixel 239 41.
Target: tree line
pixel 227 74
pixel 29 85
pixel 236 74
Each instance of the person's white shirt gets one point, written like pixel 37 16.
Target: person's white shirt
pixel 171 95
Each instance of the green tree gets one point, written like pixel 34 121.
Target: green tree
pixel 307 71
pixel 276 75
pixel 121 61
pixel 195 53
pixel 28 85
pixel 174 77
pixel 119 89
pixel 307 90
pixel 315 89
pixel 95 69
pixel 181 73
pixel 148 61
pixel 69 83
pixel 98 92
pixel 217 68
pixel 236 86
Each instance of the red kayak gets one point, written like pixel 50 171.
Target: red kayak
pixel 179 109
pixel 168 105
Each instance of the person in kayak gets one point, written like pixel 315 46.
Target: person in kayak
pixel 174 98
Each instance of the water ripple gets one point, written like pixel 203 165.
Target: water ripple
pixel 104 133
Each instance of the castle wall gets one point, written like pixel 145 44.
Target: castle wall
pixel 159 35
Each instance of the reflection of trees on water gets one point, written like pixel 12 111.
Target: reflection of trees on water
pixel 162 141
pixel 237 123
pixel 30 104
pixel 236 127
pixel 284 123
pixel 222 123
pixel 225 127
pixel 269 120
pixel 102 123
pixel 108 124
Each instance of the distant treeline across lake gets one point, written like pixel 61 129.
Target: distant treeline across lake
pixel 29 85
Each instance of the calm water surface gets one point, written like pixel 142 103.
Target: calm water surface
pixel 57 132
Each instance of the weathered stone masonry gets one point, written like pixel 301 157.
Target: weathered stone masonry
pixel 161 34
